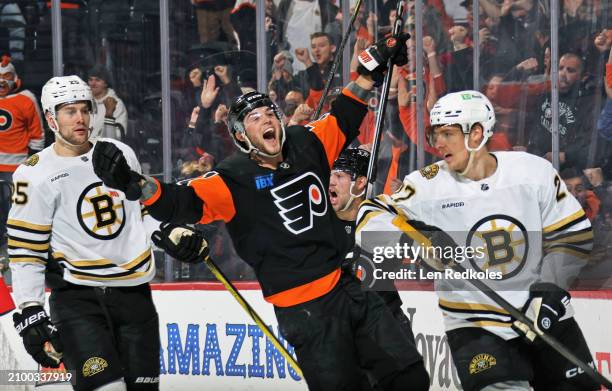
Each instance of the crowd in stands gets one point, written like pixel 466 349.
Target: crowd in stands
pixel 213 44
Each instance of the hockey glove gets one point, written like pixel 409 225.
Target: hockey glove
pixel 181 242
pixel 547 303
pixel 110 165
pixel 40 336
pixel 373 60
pixel 437 254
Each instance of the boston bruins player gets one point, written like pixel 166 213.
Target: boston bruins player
pixel 103 324
pixel 515 213
pixel 272 196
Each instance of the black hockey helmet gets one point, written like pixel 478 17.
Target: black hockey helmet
pixel 242 106
pixel 353 161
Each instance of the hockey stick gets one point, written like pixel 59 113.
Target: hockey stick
pixel 417 236
pixel 247 307
pixel 382 105
pixel 337 58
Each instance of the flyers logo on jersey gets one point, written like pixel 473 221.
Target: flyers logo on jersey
pixel 299 200
pixel 6 120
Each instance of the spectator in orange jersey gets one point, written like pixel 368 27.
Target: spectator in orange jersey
pixel 576 184
pixel 21 133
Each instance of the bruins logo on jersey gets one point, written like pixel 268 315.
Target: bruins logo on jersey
pixel 430 171
pixel 98 215
pixel 32 160
pixel 505 242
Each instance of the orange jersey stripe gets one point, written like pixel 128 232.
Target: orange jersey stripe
pixel 303 293
pixel 330 135
pixel 155 196
pixel 218 200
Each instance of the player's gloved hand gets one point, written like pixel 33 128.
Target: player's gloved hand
pixel 373 60
pixel 181 242
pixel 40 336
pixel 432 243
pixel 110 165
pixel 547 303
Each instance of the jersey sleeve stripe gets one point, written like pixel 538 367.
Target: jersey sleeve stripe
pixel 565 223
pixel 367 215
pixel 38 247
pixel 574 247
pixel 570 251
pixel 329 134
pixel 348 93
pixel 568 237
pixel 29 259
pixel 28 227
pixel 217 198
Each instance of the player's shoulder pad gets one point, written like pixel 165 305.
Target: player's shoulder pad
pixel 235 166
pixel 123 146
pixel 525 166
pixel 428 175
pixel 36 167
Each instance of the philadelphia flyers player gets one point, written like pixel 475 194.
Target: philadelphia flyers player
pixel 272 195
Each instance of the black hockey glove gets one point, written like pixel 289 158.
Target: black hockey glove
pixel 182 243
pixel 438 255
pixel 40 336
pixel 110 165
pixel 547 303
pixel 373 60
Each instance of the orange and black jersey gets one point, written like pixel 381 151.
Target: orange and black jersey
pixel 280 221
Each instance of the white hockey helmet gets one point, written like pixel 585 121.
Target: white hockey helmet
pixel 464 108
pixel 65 89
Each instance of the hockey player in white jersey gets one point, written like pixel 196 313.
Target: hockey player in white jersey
pixel 94 246
pixel 517 225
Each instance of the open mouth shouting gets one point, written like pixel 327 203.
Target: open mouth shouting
pixel 333 197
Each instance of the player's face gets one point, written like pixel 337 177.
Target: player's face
pixel 449 140
pixel 264 130
pixel 322 50
pixel 73 122
pixel 5 88
pixel 339 189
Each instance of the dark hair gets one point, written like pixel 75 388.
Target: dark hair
pixel 570 172
pixel 320 34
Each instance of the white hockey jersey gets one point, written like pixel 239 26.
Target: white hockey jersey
pixel 60 207
pixel 527 225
